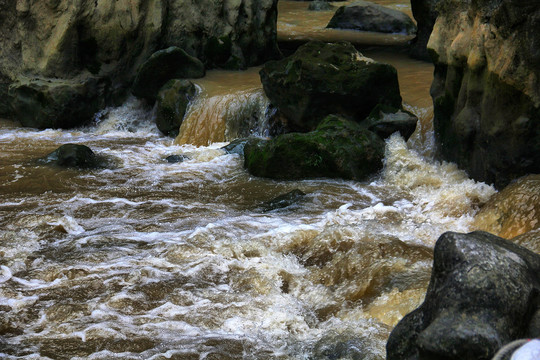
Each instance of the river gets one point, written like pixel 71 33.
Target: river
pixel 155 260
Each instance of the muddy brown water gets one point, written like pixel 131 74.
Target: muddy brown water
pixel 152 260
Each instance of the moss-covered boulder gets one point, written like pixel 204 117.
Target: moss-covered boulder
pixel 172 102
pixel 320 79
pixel 367 16
pixel 338 148
pixel 55 103
pixel 162 66
pixel 74 156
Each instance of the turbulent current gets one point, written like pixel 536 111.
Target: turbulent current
pixel 155 260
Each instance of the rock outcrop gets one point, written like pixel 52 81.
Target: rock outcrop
pixel 338 148
pixel 320 79
pixel 425 13
pixel 74 41
pixel 484 292
pixel 367 16
pixel 486 89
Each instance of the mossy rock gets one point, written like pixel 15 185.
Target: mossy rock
pixel 162 66
pixel 172 102
pixel 338 148
pixel 320 79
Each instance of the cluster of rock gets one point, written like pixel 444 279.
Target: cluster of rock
pixel 64 60
pixel 340 105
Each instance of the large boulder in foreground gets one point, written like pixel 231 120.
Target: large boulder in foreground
pixel 486 87
pixel 338 148
pixel 320 79
pixel 484 292
pixel 367 16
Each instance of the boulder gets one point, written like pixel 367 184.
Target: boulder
pixel 236 146
pixel 172 102
pixel 174 159
pixel 74 156
pixel 320 79
pixel 384 121
pixel 162 66
pixel 367 16
pixel 338 148
pixel 425 13
pixel 57 103
pixel 486 87
pixel 108 40
pixel 484 292
pixel 320 5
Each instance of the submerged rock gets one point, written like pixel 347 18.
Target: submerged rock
pixel 367 16
pixel 172 102
pixel 173 159
pixel 486 87
pixel 320 79
pixel 484 292
pixel 74 156
pixel 283 201
pixel 384 121
pixel 338 148
pixel 162 66
pixel 320 5
pixel 236 146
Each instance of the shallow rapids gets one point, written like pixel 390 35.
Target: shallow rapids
pixel 151 260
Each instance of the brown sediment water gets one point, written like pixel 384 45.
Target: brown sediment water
pixel 152 260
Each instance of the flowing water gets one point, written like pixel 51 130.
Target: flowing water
pixel 152 260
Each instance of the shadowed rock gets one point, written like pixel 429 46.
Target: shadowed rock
pixel 74 156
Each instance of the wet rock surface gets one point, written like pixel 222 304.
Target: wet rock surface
pixel 74 156
pixel 484 292
pixel 367 16
pixel 320 79
pixel 486 88
pixel 172 102
pixel 283 201
pixel 338 148
pixel 384 121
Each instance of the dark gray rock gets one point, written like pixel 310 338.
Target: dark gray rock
pixel 162 66
pixel 320 5
pixel 338 148
pixel 282 201
pixel 384 121
pixel 425 13
pixel 236 146
pixel 366 16
pixel 320 79
pixel 173 159
pixel 172 102
pixel 484 292
pixel 74 156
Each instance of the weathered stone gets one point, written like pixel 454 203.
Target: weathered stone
pixel 366 16
pixel 162 66
pixel 236 146
pixel 338 148
pixel 55 103
pixel 74 156
pixel 486 88
pixel 172 102
pixel 425 13
pixel 173 159
pixel 320 5
pixel 320 79
pixel 283 201
pixel 482 295
pixel 109 40
pixel 384 121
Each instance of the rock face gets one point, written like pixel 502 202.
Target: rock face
pixel 172 102
pixel 366 16
pixel 484 292
pixel 425 13
pixel 108 40
pixel 338 148
pixel 486 89
pixel 321 79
